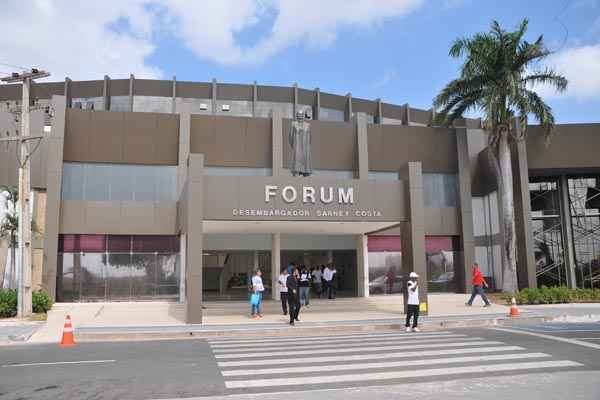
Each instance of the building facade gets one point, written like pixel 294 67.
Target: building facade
pixel 148 189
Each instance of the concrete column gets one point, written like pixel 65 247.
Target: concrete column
pixel 254 98
pixel 567 231
pixel 214 96
pixel 379 115
pixel 106 93
pixel 183 261
pixel 413 230
pixel 295 100
pixel 462 268
pixel 67 93
pixel 131 83
pixel 406 116
pixel 275 263
pixel 362 254
pixel 185 121
pixel 526 267
pixel 174 95
pixel 349 107
pixel 363 146
pixel 317 110
pixel 54 167
pixel 277 143
pixel 194 225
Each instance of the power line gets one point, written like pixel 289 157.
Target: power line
pixel 13 66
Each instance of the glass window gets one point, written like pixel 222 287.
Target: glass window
pixel 383 176
pixel 264 108
pixel 330 114
pixel 119 182
pixel 157 104
pixel 97 182
pixel 93 274
pixel 440 190
pixel 119 103
pixel 143 275
pixel 197 106
pixel 391 121
pixel 118 275
pixel 122 182
pixel 72 181
pixel 236 108
pixel 88 103
pixel 168 274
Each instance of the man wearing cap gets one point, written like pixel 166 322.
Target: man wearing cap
pixel 413 303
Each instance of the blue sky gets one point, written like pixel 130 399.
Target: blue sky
pixel 393 49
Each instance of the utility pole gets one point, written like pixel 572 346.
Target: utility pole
pixel 24 306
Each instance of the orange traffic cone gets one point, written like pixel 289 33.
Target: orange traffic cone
pixel 514 311
pixel 67 338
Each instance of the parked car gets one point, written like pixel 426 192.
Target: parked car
pixel 379 285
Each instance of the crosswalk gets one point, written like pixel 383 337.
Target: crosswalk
pixel 372 358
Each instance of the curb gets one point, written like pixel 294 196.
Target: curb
pixel 149 334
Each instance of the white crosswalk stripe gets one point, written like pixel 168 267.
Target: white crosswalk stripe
pixel 399 337
pixel 365 358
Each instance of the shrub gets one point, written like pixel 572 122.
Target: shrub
pixel 41 302
pixel 8 303
pixel 554 295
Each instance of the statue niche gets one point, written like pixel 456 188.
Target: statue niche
pixel 300 140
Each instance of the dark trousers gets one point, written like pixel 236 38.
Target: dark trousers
pixel 294 307
pixel 284 301
pixel 413 311
pixel 478 290
pixel 330 289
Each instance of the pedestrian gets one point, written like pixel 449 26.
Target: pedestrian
pixel 304 284
pixel 317 281
pixel 335 280
pixel 412 309
pixel 478 284
pixel 327 276
pixel 390 278
pixel 257 290
pixel 293 295
pixel 283 291
pixel 290 268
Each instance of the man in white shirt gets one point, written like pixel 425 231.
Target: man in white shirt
pixel 283 290
pixel 412 288
pixel 257 288
pixel 327 277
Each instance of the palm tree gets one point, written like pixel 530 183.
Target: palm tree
pixel 9 226
pixel 497 79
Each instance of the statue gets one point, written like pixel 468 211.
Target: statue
pixel 300 140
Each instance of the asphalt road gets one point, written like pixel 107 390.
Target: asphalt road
pixel 549 361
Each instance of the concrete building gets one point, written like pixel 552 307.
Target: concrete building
pixel 149 189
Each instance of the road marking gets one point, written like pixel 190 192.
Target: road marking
pixel 356 350
pixel 401 337
pixel 558 330
pixel 362 357
pixel 295 339
pixel 586 338
pixel 558 339
pixel 60 363
pixel 259 350
pixel 377 376
pixel 392 364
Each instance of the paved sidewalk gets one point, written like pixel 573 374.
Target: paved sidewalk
pixel 232 315
pixel 14 331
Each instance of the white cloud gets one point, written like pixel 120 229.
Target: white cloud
pixel 76 39
pixel 581 67
pixel 79 39
pixel 387 77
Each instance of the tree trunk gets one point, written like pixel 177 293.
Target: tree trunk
pixel 13 268
pixel 509 253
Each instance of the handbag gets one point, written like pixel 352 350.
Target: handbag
pixel 255 299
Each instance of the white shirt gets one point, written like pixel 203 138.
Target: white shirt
pixel 282 283
pixel 257 283
pixel 328 274
pixel 413 297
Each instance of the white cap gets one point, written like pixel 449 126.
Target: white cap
pixel 413 275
